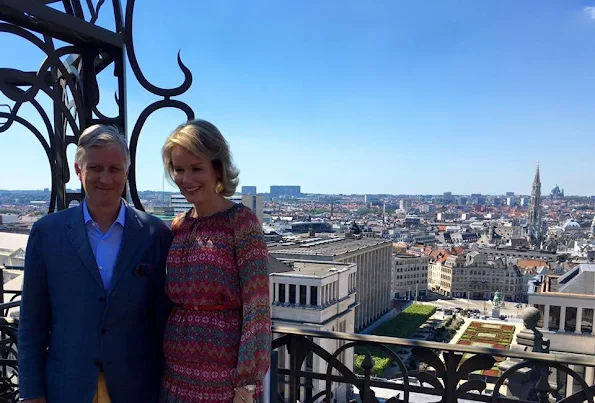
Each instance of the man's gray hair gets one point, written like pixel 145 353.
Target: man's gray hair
pixel 101 136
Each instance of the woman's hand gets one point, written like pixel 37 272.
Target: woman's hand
pixel 243 396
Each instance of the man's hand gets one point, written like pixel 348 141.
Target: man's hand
pixel 36 400
pixel 243 396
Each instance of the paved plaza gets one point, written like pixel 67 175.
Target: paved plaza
pixel 508 309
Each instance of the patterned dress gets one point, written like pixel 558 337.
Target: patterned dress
pixel 218 335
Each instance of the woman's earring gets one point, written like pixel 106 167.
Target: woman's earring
pixel 219 187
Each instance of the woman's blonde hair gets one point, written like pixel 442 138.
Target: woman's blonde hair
pixel 204 140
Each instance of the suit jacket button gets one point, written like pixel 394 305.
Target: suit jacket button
pixel 101 299
pixel 97 363
pixel 103 331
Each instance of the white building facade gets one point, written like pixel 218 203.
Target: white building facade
pixel 567 304
pixel 373 258
pixel 321 296
pixel 253 202
pixel 12 249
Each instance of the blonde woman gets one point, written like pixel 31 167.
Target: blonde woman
pixel 218 336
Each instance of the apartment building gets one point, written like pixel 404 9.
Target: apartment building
pixel 475 275
pixel 409 276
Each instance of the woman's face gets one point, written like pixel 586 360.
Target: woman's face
pixel 195 176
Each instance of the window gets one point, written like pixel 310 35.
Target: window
pixel 570 323
pixel 303 294
pixel 587 321
pixel 313 295
pixel 292 293
pixel 281 292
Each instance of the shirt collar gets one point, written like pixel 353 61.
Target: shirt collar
pixel 121 219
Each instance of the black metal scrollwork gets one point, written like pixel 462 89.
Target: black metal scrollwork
pixel 68 76
pixel 447 374
pixel 538 385
pixel 9 384
pixel 166 102
pixel 451 372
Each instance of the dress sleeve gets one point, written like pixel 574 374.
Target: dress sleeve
pixel 252 261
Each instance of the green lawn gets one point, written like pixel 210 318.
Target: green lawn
pixel 402 326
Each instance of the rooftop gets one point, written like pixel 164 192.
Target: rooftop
pixel 407 256
pixel 329 246
pixel 578 281
pixel 521 250
pixel 306 268
pixel 11 242
pixel 530 263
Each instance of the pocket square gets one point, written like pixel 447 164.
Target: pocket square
pixel 142 270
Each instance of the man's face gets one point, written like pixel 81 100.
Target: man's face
pixel 103 174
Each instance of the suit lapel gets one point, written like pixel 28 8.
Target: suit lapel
pixel 134 241
pixel 77 234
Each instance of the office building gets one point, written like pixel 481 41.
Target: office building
pixel 405 205
pixel 319 295
pixel 255 203
pixel 249 190
pixel 286 191
pixel 447 197
pixel 427 208
pixel 373 257
pixel 179 203
pixel 305 227
pixel 508 253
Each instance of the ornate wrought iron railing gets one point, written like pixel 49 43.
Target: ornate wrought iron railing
pixel 76 50
pixel 447 372
pixel 443 373
pixel 9 381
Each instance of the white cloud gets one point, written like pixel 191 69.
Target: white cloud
pixel 590 12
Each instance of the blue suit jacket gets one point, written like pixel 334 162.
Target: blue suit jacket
pixel 70 326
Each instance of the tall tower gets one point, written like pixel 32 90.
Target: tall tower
pixel 593 228
pixel 535 225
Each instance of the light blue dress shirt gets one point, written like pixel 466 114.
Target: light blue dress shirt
pixel 105 246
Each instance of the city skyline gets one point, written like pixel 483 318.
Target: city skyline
pixel 364 99
pixel 266 191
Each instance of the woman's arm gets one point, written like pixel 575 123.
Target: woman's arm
pixel 252 260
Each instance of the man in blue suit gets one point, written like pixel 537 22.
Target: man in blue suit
pixel 94 306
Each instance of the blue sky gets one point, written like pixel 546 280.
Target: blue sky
pixel 365 97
